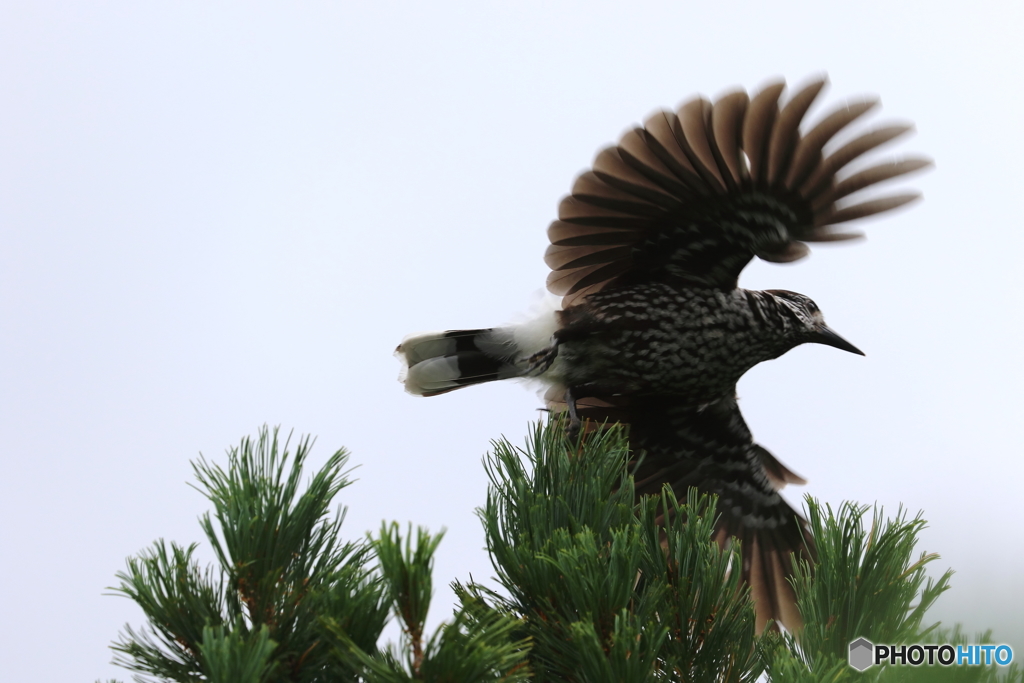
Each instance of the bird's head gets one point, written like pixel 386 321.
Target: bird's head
pixel 809 323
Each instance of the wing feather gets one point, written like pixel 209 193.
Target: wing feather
pixel 693 117
pixel 568 234
pixel 784 132
pixel 636 152
pixel 711 449
pixel 820 178
pixel 727 125
pixel 659 134
pixel 694 194
pixel 878 173
pixel 869 208
pixel 592 190
pixel 610 167
pixel 578 210
pixel 562 258
pixel 808 150
pixel 757 128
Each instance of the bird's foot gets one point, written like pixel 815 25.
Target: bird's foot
pixel 572 431
pixel 538 363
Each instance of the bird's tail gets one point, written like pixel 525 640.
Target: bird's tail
pixel 438 362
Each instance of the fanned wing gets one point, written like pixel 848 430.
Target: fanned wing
pixel 694 194
pixel 712 450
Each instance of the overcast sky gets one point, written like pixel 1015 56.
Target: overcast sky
pixel 214 216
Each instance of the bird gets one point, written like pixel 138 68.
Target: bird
pixel 653 330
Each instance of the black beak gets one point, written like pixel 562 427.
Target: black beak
pixel 829 338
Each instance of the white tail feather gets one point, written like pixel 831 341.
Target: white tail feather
pixel 436 362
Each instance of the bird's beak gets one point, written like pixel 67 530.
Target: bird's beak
pixel 829 338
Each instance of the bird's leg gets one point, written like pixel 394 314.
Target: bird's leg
pixel 538 363
pixel 573 430
pixel 573 394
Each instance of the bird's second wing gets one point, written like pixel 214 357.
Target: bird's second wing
pixel 711 449
pixel 694 194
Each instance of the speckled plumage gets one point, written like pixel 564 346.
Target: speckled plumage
pixel 655 332
pixel 712 450
pixel 692 344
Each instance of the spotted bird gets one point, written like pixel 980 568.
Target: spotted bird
pixel 654 330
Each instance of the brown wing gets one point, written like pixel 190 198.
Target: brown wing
pixel 711 449
pixel 694 194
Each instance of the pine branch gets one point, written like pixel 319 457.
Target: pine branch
pixel 478 644
pixel 605 591
pixel 593 586
pixel 867 584
pixel 281 566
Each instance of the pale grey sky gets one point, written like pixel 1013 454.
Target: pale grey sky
pixel 215 215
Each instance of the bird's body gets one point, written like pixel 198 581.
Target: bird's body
pixel 655 332
pixel 690 344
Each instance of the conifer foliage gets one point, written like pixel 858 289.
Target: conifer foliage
pixel 607 592
pixel 590 586
pixel 287 600
pixel 281 564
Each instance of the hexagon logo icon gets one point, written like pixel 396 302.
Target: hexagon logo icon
pixel 861 654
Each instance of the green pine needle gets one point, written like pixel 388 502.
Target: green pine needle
pixel 592 586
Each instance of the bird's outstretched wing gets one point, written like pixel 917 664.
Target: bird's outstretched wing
pixel 694 194
pixel 711 449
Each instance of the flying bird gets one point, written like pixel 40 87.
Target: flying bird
pixel 654 331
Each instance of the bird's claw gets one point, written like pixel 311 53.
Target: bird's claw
pixel 539 362
pixel 572 432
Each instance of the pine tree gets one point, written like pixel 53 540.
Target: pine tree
pixel 288 600
pixel 590 586
pixel 607 592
